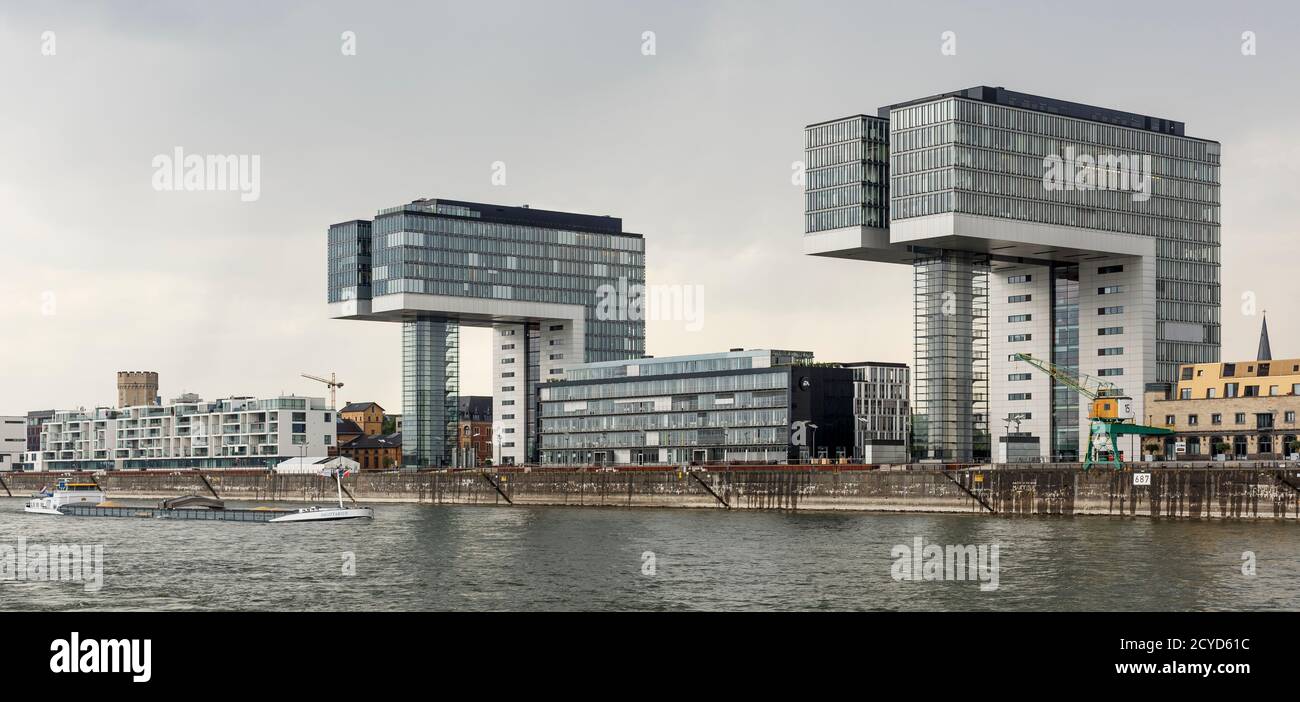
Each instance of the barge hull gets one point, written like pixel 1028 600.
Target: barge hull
pixel 218 515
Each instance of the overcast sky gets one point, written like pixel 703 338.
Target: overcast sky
pixel 692 146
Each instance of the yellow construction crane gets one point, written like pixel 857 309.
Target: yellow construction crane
pixel 333 384
pixel 1110 415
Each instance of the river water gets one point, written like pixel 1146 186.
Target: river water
pixel 420 557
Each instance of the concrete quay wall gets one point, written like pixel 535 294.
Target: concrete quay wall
pixel 1185 492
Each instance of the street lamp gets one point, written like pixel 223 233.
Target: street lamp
pixel 812 450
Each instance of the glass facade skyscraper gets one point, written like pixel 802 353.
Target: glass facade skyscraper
pixel 1100 229
pixel 430 386
pixel 535 276
pixel 1065 352
pixel 957 154
pixel 951 354
pixel 847 174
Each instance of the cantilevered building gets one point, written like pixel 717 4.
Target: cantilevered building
pixel 1077 234
pixel 535 277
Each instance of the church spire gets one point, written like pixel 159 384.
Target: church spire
pixel 1265 353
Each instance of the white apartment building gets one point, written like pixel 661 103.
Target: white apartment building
pixel 13 441
pixel 235 432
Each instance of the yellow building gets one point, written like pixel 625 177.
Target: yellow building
pixel 1210 381
pixel 368 415
pixel 1238 410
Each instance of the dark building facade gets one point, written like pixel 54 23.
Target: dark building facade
pixel 36 420
pixel 475 435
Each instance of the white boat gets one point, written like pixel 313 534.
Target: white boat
pixel 66 492
pixel 328 514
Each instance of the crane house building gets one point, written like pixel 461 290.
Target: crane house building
pixel 1081 235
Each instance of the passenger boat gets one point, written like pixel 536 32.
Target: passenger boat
pixel 328 514
pixel 66 492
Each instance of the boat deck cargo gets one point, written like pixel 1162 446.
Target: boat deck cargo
pixel 224 515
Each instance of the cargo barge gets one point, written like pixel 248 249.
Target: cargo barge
pixel 184 513
pixel 87 500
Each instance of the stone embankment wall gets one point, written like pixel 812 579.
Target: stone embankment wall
pixel 1177 492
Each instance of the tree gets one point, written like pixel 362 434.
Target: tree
pixel 390 425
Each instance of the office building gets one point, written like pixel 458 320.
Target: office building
pixel 13 442
pixel 237 432
pixel 743 406
pixel 881 411
pixel 552 286
pixel 1081 235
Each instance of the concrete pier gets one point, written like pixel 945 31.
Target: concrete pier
pixel 1256 491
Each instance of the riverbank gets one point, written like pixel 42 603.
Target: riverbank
pixel 1182 492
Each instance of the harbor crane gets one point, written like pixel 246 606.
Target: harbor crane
pixel 1110 414
pixel 333 384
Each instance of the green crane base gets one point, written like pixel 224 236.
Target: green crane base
pixel 1102 434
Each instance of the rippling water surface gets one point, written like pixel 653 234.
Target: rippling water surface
pixel 418 557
